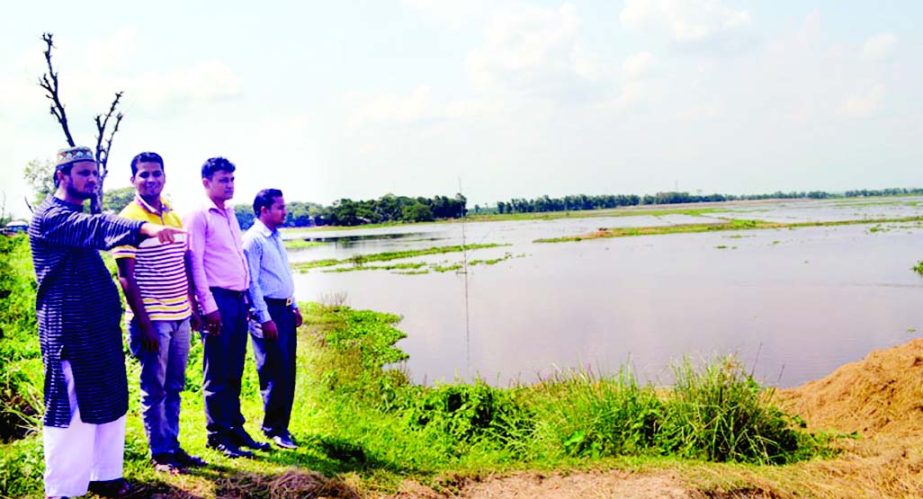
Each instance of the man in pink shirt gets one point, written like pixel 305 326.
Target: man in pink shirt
pixel 221 278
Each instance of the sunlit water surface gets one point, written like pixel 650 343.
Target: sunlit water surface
pixel 791 304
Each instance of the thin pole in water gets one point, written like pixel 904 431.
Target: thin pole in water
pixel 465 266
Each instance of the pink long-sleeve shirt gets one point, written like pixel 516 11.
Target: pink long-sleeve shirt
pixel 216 253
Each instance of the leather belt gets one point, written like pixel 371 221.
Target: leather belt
pixel 287 302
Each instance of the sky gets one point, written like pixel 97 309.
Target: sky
pixel 501 99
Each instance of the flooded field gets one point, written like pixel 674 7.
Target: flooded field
pixel 793 304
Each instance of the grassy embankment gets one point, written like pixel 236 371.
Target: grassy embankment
pixel 690 209
pixel 363 261
pixel 629 211
pixel 365 428
pixel 727 225
pixel 297 244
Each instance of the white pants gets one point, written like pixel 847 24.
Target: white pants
pixel 81 452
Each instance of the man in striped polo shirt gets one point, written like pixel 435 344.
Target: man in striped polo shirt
pixel 78 310
pixel 159 295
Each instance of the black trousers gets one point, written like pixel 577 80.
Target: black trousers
pixel 224 365
pixel 275 364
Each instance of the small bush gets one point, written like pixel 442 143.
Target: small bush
pixel 22 468
pixel 21 374
pixel 720 413
pixel 918 268
pixel 371 335
pixel 466 413
pixel 597 417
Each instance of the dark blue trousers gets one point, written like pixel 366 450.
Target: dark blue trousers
pixel 224 365
pixel 275 364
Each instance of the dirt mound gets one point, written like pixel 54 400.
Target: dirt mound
pixel 580 485
pixel 881 394
pixel 292 483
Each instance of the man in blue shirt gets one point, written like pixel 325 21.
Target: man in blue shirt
pixel 276 315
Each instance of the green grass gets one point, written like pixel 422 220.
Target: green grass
pixel 359 260
pixel 420 268
pixel 20 356
pixel 728 225
pixel 365 427
pixel 918 268
pixel 628 211
pixel 719 413
pixel 297 244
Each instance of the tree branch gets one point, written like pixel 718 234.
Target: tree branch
pixel 49 82
pixel 102 151
pixel 102 122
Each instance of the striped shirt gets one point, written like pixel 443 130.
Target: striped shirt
pixel 78 310
pixel 160 269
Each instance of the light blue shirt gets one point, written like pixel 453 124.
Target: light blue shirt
pixel 270 276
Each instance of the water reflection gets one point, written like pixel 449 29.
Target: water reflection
pixel 793 304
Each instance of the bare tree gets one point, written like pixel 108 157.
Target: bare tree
pixel 102 151
pixel 49 82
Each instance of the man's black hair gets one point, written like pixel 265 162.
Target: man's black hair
pixel 218 164
pixel 265 198
pixel 145 157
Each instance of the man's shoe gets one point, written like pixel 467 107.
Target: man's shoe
pixel 117 488
pixel 243 439
pixel 185 459
pixel 284 441
pixel 229 450
pixel 166 463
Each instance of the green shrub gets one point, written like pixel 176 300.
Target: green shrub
pixel 720 413
pixel 21 372
pixel 370 335
pixel 918 268
pixel 22 468
pixel 600 416
pixel 466 413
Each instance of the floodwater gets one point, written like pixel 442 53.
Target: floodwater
pixel 793 305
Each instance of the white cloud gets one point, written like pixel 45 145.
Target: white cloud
pixel 697 112
pixel 638 65
pixel 452 12
pixel 630 95
pixel 879 47
pixel 204 81
pixel 87 87
pixel 686 20
pixel 865 103
pixel 368 109
pixel 527 42
pixel 111 50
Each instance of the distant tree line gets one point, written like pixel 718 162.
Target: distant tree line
pixel 586 202
pixel 388 208
pixel 403 209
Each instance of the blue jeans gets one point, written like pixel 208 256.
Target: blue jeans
pixel 163 377
pixel 275 363
pixel 223 366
